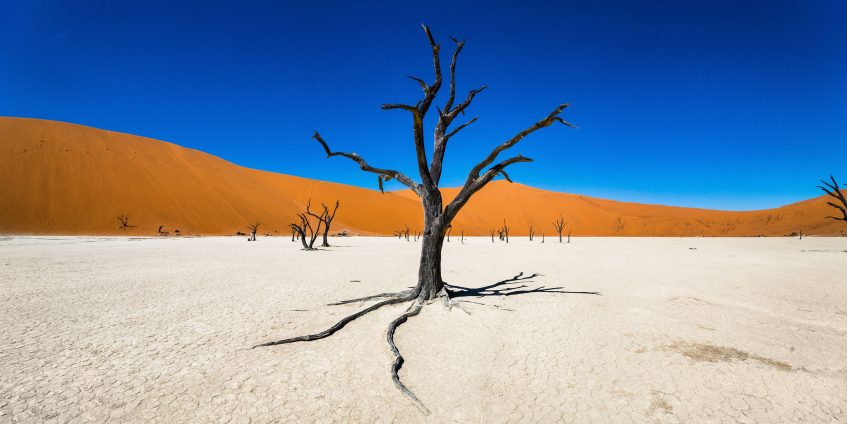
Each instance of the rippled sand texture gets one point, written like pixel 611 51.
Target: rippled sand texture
pixel 683 330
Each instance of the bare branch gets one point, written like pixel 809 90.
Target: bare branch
pixel 475 182
pixel 423 85
pixel 472 186
pixel 385 174
pixel 459 128
pixel 546 122
pixel 459 45
pixel 390 106
pixel 436 62
pixel 835 192
pixel 505 175
pixel 460 108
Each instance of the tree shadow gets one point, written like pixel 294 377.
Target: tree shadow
pixel 505 288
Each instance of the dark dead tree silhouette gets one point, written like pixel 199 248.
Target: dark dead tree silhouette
pixel 305 228
pixel 437 216
pixel 531 232
pixel 399 234
pixel 542 237
pixel 327 221
pixel 505 231
pixel 254 227
pixel 449 230
pixel 559 225
pixel 463 237
pixel 492 235
pixel 833 190
pixel 162 231
pixel 123 219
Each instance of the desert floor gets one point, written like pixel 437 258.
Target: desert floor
pixel 694 330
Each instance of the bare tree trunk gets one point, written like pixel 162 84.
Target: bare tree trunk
pixel 430 283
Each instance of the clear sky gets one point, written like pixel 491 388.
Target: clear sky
pixel 717 104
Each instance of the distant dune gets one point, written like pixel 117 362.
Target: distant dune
pixel 61 178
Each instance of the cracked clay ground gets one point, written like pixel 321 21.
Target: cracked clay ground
pixel 684 330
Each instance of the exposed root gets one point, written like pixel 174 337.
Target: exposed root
pixel 339 325
pixel 398 358
pixel 398 295
pixel 449 302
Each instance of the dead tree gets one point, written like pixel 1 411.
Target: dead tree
pixel 162 231
pixel 327 220
pixel 254 227
pixel 124 222
pixel 505 231
pixel 559 225
pixel 492 235
pixel 293 233
pixel 449 230
pixel 531 233
pixel 305 229
pixel 406 233
pixel 834 191
pixel 542 237
pixel 463 237
pixel 437 215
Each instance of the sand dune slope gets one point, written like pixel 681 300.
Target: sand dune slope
pixel 61 178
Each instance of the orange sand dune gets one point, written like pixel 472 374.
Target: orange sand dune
pixel 61 178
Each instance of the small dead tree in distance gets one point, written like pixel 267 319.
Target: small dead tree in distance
pixel 834 191
pixel 124 221
pixel 531 232
pixel 437 216
pixel 505 231
pixel 304 228
pixel 559 225
pixel 254 227
pixel 327 221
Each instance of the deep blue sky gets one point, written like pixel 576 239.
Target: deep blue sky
pixel 718 104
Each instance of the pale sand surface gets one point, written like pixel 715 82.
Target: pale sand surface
pixel 747 330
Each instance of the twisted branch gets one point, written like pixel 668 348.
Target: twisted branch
pixel 835 191
pixel 384 174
